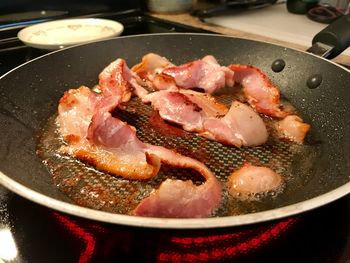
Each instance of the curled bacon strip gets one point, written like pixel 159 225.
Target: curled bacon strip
pixel 176 198
pixel 94 136
pixel 185 108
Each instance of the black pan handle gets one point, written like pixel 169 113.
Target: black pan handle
pixel 335 38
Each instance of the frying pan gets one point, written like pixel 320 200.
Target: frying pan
pixel 316 174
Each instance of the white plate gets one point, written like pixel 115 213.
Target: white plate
pixel 67 32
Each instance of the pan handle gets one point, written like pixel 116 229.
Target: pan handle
pixel 332 40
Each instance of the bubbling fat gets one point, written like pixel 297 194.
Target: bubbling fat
pixel 254 182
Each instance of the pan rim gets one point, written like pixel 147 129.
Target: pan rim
pixel 170 34
pixel 174 223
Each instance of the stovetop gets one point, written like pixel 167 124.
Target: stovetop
pixel 32 233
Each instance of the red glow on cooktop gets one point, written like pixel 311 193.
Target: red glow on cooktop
pixel 223 246
pixel 93 240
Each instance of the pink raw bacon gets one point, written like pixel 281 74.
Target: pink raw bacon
pixel 262 94
pixel 205 74
pixel 201 113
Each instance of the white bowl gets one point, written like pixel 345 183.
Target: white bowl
pixel 67 32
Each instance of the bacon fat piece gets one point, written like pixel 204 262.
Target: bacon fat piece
pixel 292 128
pixel 262 94
pixel 240 126
pixel 250 180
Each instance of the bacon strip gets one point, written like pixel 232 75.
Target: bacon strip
pixel 117 80
pixel 75 111
pixel 201 113
pixel 84 122
pixel 185 108
pixel 262 94
pixel 205 74
pixel 181 199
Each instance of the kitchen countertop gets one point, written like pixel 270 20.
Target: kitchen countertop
pixel 218 25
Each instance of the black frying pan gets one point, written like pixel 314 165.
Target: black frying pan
pixel 29 95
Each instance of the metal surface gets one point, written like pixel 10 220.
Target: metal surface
pixel 320 49
pixel 322 172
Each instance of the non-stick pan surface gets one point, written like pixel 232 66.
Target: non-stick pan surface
pixel 29 97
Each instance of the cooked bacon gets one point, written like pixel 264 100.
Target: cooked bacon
pixel 115 80
pixel 209 105
pixel 204 74
pixel 240 126
pixel 292 128
pixel 250 180
pixel 181 199
pixel 208 75
pixel 119 81
pixel 185 108
pixel 201 113
pixel 75 110
pixel 151 65
pixel 148 71
pixel 229 74
pixel 112 146
pixel 262 94
pixel 175 107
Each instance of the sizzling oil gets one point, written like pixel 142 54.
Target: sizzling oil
pixel 91 188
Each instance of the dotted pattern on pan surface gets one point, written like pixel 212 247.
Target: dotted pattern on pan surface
pixel 91 188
